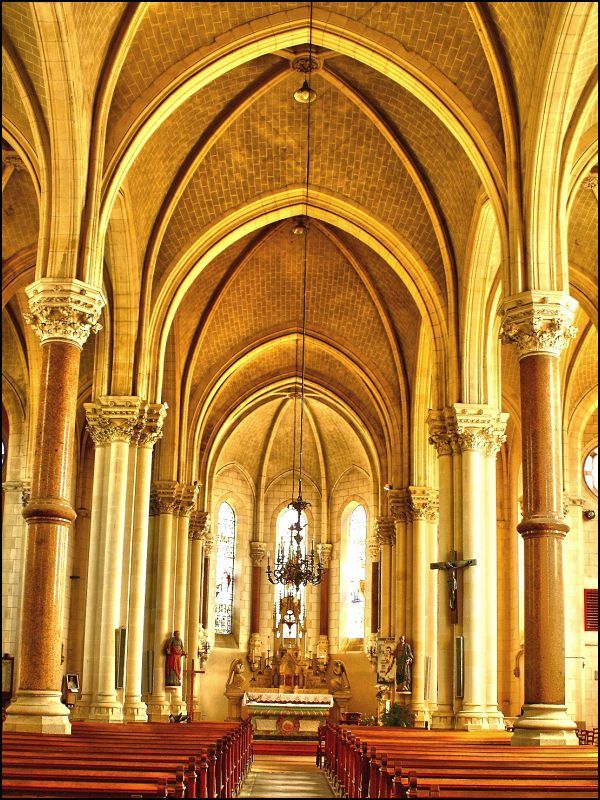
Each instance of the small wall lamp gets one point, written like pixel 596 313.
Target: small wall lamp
pixel 589 513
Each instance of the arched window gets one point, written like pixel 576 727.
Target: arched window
pixel 356 573
pixel 225 566
pixel 286 519
pixel 590 471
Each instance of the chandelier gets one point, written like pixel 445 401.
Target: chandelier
pixel 292 567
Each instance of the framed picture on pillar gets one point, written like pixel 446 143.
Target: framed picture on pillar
pixel 386 661
pixel 73 682
pixel 459 666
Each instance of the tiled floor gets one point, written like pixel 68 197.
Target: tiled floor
pixel 285 776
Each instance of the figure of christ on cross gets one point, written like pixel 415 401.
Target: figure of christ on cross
pixel 452 566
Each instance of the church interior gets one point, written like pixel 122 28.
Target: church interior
pixel 299 375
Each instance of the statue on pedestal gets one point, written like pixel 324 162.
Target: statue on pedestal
pixel 235 688
pixel 174 652
pixel 404 659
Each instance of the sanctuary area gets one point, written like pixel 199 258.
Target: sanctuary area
pixel 299 398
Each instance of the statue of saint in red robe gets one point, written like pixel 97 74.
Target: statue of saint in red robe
pixel 174 650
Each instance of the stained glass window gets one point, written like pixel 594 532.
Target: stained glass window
pixel 355 575
pixel 590 471
pixel 288 517
pixel 225 564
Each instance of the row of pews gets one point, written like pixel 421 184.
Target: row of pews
pixel 380 762
pixel 201 759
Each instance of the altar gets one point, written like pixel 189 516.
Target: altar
pixel 295 716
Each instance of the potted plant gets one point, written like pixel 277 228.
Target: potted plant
pixel 398 717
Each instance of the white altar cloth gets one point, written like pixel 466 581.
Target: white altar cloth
pixel 275 699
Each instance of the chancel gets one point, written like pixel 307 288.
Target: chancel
pixel 299 396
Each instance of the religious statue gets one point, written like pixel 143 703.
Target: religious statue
pixel 174 652
pixel 404 658
pixel 236 679
pixel 339 678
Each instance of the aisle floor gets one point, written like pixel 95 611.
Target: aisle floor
pixel 285 776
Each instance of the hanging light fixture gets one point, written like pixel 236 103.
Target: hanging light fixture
pixel 293 568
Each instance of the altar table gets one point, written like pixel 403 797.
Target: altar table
pixel 290 716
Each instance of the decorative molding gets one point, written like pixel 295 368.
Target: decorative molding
pixel 257 553
pixel 385 530
pixel 10 158
pixel 590 182
pixel 112 419
pixel 538 322
pixel 571 500
pixel 305 63
pixel 23 487
pixel 64 310
pixel 154 505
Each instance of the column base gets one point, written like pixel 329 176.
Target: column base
pixel 37 712
pixel 495 720
pixel 81 710
pixel 159 709
pixel 422 716
pixel 135 711
pixel 178 706
pixel 542 725
pixel 471 721
pixel 442 719
pixel 106 711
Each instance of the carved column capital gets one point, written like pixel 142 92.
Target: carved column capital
pixel 385 530
pixel 440 436
pixel 199 524
pixel 497 435
pixel 23 487
pixel 326 551
pixel 149 428
pixel 209 544
pixel 64 310
pixel 398 504
pixel 166 496
pixel 257 553
pixel 112 418
pixel 538 322
pixel 473 425
pixel 186 498
pixel 373 548
pixel 423 502
pixel 571 500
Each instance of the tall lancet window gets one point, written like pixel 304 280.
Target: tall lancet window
pixel 225 565
pixel 356 573
pixel 287 518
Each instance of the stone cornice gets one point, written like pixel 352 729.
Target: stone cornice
pixel 538 322
pixel 64 310
pixel 112 418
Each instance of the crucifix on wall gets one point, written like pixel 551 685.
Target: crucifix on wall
pixel 452 565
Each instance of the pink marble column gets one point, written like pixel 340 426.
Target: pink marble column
pixel 540 325
pixel 62 314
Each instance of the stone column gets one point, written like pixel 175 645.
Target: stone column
pixel 374 552
pixel 185 502
pixel 495 439
pixel 159 705
pixel 440 438
pixel 398 507
pixel 148 433
pixel 114 419
pixel 431 692
pixel 63 312
pixel 208 547
pixel 323 645
pixel 386 535
pixel 257 554
pixel 421 506
pixel 540 325
pixel 199 526
pixel 472 423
